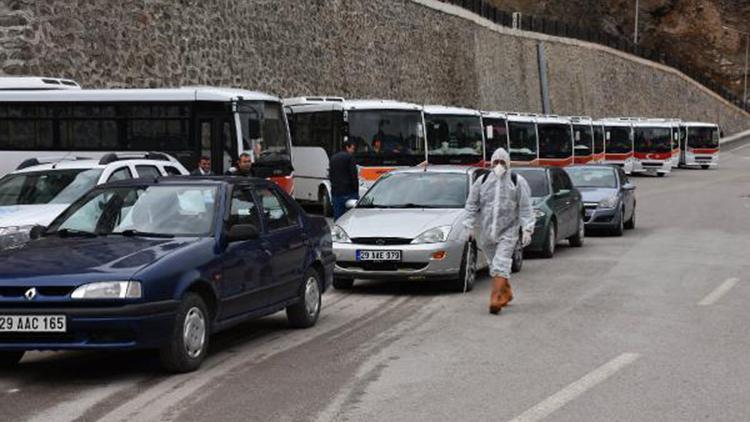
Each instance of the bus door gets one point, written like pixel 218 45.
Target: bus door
pixel 496 136
pixel 598 143
pixel 216 139
pixel 682 143
pixel 675 146
pixel 584 143
pixel 523 143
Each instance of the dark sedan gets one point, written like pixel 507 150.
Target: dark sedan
pixel 162 264
pixel 557 207
pixel 608 195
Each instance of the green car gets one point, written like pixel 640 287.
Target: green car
pixel 558 208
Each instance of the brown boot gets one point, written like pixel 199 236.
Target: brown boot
pixel 506 293
pixel 495 295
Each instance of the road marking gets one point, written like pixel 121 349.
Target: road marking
pixel 574 390
pixel 720 291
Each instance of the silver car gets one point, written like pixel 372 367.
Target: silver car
pixel 409 225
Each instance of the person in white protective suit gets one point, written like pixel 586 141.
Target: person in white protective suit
pixel 500 202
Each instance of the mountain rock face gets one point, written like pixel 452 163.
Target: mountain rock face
pixel 690 30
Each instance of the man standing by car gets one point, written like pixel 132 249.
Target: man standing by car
pixel 204 167
pixel 344 178
pixel 501 202
pixel 244 166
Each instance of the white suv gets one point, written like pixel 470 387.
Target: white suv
pixel 40 189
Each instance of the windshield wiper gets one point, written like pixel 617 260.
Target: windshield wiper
pixel 132 233
pixel 72 233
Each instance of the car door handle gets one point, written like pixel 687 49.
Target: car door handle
pixel 266 247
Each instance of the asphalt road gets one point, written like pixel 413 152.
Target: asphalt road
pixel 650 326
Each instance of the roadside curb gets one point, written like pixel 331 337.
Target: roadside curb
pixel 738 137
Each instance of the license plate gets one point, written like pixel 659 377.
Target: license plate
pixel 33 324
pixel 378 255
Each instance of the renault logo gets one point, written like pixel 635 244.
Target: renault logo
pixel 30 294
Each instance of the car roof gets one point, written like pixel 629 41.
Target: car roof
pixel 85 163
pixel 439 168
pixel 536 169
pixel 192 180
pixel 609 166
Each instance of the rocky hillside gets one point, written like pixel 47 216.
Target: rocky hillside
pixel 691 30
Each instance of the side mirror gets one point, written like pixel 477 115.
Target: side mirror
pixel 350 204
pixel 628 186
pixel 562 192
pixel 242 232
pixel 37 232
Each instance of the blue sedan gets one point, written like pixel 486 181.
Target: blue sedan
pixel 608 197
pixel 163 264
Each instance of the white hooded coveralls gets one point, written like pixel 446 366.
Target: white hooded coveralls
pixel 504 210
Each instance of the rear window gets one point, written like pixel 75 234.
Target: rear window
pixel 537 180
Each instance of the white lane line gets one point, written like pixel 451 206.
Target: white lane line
pixel 574 390
pixel 720 291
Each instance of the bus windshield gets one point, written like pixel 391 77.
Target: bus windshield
pixel 555 140
pixel 584 140
pixel 522 138
pixel 454 139
pixel 703 137
pixel 653 139
pixel 387 137
pixel 264 132
pixel 617 140
pixel 499 138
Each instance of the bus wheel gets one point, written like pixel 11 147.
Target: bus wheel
pixel 325 202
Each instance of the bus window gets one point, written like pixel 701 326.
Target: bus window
pixel 598 140
pixel 618 140
pixel 387 137
pixel 583 139
pixel 523 142
pixel 653 139
pixel 316 129
pixel 454 139
pixel 555 140
pixel 496 136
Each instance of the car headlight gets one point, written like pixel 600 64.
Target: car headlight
pixel 435 235
pixel 109 290
pixel 338 235
pixel 610 202
pixel 539 214
pixel 14 236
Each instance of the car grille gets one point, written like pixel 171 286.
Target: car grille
pixel 383 266
pixel 50 291
pixel 381 241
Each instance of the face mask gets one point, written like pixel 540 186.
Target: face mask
pixel 499 170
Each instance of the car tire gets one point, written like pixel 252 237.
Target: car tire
pixel 630 224
pixel 305 312
pixel 550 243
pixel 343 283
pixel 187 346
pixel 660 174
pixel 325 203
pixel 619 229
pixel 468 273
pixel 705 167
pixel 11 358
pixel 577 239
pixel 517 264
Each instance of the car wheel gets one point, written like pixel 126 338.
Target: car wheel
pixel 468 273
pixel 188 345
pixel 548 250
pixel 306 311
pixel 325 203
pixel 705 167
pixel 660 174
pixel 577 239
pixel 630 224
pixel 11 358
pixel 343 283
pixel 620 227
pixel 517 264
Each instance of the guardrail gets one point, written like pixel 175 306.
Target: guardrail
pixel 563 29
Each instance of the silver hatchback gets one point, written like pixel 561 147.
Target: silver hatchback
pixel 409 225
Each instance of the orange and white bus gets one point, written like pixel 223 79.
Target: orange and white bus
pixel 701 145
pixel 495 124
pixel 556 145
pixel 523 139
pixel 653 145
pixel 583 135
pixel 388 135
pixel 618 143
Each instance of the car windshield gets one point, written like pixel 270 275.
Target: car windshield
pixel 497 133
pixel 454 139
pixel 48 187
pixel 537 180
pixel 703 137
pixel 592 177
pixel 387 137
pixel 617 140
pixel 653 139
pixel 161 211
pixel 264 131
pixel 555 140
pixel 418 190
pixel 584 139
pixel 522 138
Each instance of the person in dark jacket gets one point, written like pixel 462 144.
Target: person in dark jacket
pixel 344 178
pixel 244 167
pixel 204 167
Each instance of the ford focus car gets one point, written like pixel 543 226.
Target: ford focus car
pixel 162 264
pixel 409 226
